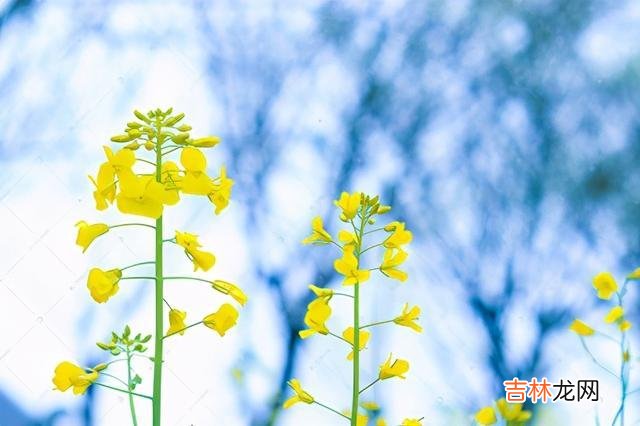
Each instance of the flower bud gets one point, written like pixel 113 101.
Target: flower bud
pixel 173 120
pixel 207 142
pixel 133 145
pixel 141 116
pixel 180 138
pixel 122 138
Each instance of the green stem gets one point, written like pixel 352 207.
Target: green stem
pixel 132 224
pixel 188 278
pixel 376 323
pixel 372 247
pixel 356 325
pixel 146 161
pixel 137 264
pixel 341 338
pixel 132 405
pixel 594 359
pixel 137 278
pixel 331 409
pixel 159 297
pixel 183 329
pixel 171 150
pixel 122 390
pixel 369 385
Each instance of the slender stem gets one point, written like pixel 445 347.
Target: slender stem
pixel 159 297
pixel 132 224
pixel 171 150
pixel 132 406
pixel 183 329
pixel 137 264
pixel 623 362
pixel 337 245
pixel 331 409
pixel 102 373
pixel 146 161
pixel 188 278
pixel 335 293
pixel 373 230
pixel 369 385
pixel 137 278
pixel 122 390
pixel 376 323
pixel 593 358
pixel 356 323
pixel 341 338
pixel 372 247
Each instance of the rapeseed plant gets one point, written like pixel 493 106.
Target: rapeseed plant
pixel 122 180
pixel 607 288
pixel 359 212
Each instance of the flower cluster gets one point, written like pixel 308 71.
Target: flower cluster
pixel 143 187
pixel 607 288
pixel 359 212
pixel 511 414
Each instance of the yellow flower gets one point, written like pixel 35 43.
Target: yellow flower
pixel 605 284
pixel 347 238
pixel 231 289
pixel 300 394
pixel 382 422
pixel 349 334
pixel 141 196
pixel 411 422
pixel 222 320
pixel 201 259
pixel 117 164
pixel 68 375
pixel 512 412
pixel 393 369
pixel 187 240
pixel 370 406
pixel 486 416
pixel 625 325
pixel 221 192
pixel 347 265
pixel 176 322
pixel 362 420
pixel 325 293
pixel 390 262
pixel 349 204
pixel 318 312
pixel 399 236
pixel 408 316
pixel 105 191
pixel 581 328
pixel 87 233
pixel 614 314
pixel 318 234
pixel 195 181
pixel 103 284
pixel 123 160
pixel 635 275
